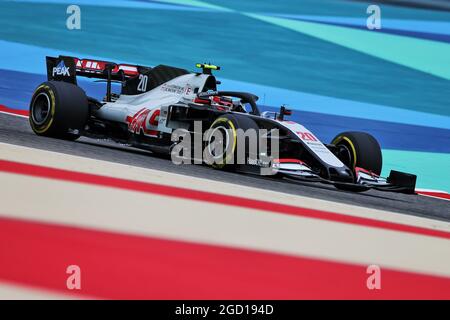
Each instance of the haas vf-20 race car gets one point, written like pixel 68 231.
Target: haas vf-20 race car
pixel 155 103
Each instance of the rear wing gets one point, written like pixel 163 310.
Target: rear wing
pixel 64 68
pixel 67 69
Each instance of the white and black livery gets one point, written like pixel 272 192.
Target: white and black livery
pixel 154 102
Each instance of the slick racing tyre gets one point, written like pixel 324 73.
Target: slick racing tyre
pixel 359 149
pixel 57 109
pixel 222 140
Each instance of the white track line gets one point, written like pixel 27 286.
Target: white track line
pixel 81 164
pixel 14 114
pixel 434 197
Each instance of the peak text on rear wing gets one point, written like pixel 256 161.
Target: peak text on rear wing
pixel 65 68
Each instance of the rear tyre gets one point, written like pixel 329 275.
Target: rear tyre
pixel 58 109
pixel 359 149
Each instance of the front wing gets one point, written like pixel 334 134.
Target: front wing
pixel 365 180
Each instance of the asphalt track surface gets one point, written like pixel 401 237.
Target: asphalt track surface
pixel 15 130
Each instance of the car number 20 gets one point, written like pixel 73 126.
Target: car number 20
pixel 142 86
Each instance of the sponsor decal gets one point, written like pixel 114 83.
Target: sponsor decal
pixel 90 65
pixel 139 123
pixel 312 143
pixel 258 162
pixel 61 70
pixel 136 124
pixel 172 88
pixel 306 136
pixel 208 93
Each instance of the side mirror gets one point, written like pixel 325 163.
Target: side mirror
pixel 284 112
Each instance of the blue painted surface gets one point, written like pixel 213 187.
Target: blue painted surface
pixel 420 26
pixel 443 35
pixel 136 4
pixel 31 59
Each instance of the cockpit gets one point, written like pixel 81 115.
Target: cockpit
pixel 229 101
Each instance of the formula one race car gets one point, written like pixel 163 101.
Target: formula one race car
pixel 160 109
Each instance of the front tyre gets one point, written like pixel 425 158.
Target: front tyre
pixel 359 149
pixel 223 137
pixel 57 109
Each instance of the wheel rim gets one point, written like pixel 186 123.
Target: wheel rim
pixel 213 140
pixel 41 108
